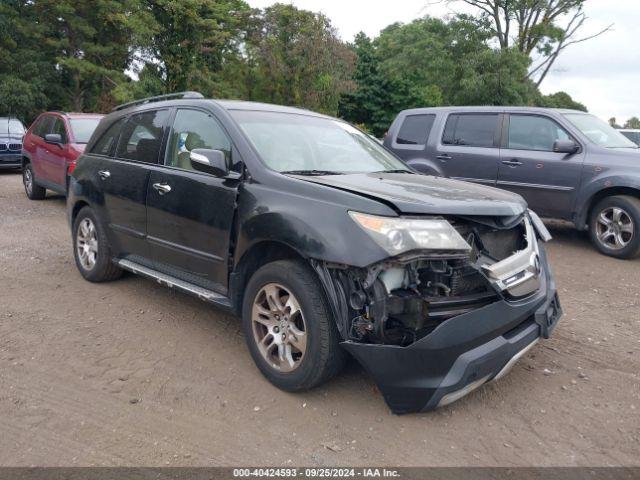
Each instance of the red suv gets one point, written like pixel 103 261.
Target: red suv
pixel 50 149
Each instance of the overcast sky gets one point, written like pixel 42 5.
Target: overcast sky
pixel 603 73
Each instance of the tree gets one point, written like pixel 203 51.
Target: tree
pixel 541 28
pixel 614 123
pixel 431 62
pixel 296 58
pixel 193 41
pixel 90 42
pixel 633 122
pixel 560 100
pixel 367 104
pixel 26 71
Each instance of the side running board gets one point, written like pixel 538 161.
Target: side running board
pixel 178 284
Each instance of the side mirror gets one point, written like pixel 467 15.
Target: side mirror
pixel 565 146
pixel 54 138
pixel 209 161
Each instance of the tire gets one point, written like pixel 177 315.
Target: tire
pixel 323 357
pixel 614 226
pixel 33 190
pixel 102 268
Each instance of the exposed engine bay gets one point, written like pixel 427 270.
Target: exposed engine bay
pixel 402 299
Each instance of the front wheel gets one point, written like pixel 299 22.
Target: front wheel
pixel 31 188
pixel 288 327
pixel 614 226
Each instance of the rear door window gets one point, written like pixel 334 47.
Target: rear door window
pixel 471 129
pixel 415 129
pixel 141 136
pixel 107 142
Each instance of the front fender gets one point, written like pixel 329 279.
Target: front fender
pixel 597 185
pixel 316 227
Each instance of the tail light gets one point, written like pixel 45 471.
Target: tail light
pixel 71 168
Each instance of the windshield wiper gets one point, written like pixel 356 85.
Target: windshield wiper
pixel 311 172
pixel 399 170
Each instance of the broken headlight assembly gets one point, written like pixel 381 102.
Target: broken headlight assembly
pixel 437 268
pixel 399 235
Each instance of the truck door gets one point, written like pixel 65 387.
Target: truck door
pixel 547 180
pixel 190 213
pixel 469 147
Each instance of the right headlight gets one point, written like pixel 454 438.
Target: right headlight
pixel 398 235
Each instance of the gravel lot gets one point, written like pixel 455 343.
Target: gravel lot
pixel 132 373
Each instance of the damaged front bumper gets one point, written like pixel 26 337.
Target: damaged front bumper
pixel 463 352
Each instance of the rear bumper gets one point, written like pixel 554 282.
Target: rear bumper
pixel 462 353
pixel 10 160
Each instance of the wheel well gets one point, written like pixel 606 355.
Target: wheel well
pixel 258 255
pixel 607 192
pixel 25 160
pixel 76 208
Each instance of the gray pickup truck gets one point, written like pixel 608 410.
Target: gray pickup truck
pixel 566 164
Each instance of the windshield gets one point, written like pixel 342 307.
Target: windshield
pixel 83 128
pixel 299 143
pixel 599 132
pixel 12 126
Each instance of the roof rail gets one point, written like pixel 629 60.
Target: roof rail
pixel 158 98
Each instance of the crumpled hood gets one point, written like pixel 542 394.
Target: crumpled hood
pixel 422 194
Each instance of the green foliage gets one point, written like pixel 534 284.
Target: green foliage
pixel 65 54
pixel 296 58
pixel 25 70
pixel 560 100
pixel 193 42
pixel 432 62
pixel 633 122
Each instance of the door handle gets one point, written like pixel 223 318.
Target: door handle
pixel 104 174
pixel 162 188
pixel 512 163
pixel 444 157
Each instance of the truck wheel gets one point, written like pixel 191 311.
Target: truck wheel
pixel 288 327
pixel 91 249
pixel 33 191
pixel 614 226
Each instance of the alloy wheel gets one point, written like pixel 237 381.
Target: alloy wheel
pixel 279 328
pixel 614 228
pixel 28 181
pixel 87 244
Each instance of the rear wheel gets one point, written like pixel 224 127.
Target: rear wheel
pixel 288 327
pixel 614 226
pixel 91 249
pixel 33 190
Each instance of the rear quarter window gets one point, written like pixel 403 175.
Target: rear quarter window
pixel 106 143
pixel 415 129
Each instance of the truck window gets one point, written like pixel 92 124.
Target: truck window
pixel 194 129
pixel 415 129
pixel 142 135
pixel 534 132
pixel 106 144
pixel 471 129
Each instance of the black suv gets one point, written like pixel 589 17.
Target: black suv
pixel 566 164
pixel 320 239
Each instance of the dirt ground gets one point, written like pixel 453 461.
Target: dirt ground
pixel 132 373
